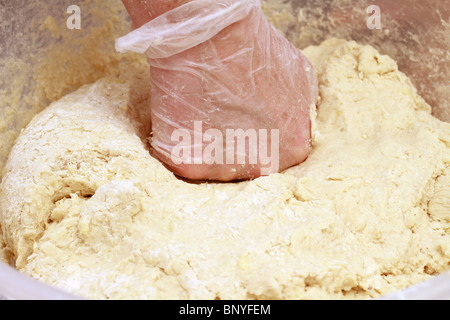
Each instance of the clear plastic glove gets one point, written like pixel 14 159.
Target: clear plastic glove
pixel 220 64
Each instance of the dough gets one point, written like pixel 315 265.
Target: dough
pixel 85 208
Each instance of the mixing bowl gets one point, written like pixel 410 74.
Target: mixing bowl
pixel 51 48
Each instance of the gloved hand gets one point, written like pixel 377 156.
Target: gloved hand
pixel 221 66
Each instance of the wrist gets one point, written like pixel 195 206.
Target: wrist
pixel 143 11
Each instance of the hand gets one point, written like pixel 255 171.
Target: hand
pixel 245 77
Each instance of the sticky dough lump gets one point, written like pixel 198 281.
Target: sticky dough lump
pixel 87 209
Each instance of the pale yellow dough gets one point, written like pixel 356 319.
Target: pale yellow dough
pixel 84 207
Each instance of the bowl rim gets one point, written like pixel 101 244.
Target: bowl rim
pixel 18 286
